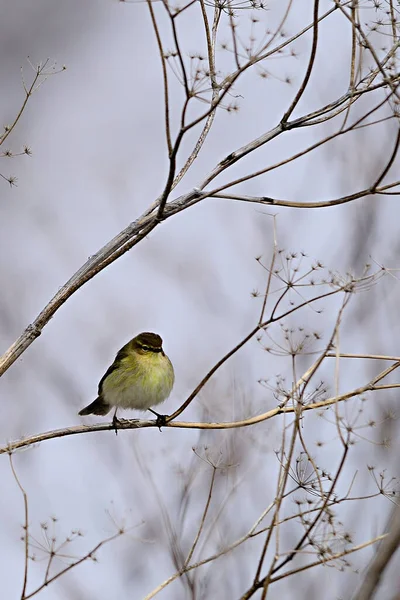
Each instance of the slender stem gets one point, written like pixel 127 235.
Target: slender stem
pixel 309 67
pixel 165 76
pixel 26 528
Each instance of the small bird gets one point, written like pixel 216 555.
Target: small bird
pixel 141 376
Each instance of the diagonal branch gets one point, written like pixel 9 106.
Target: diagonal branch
pixel 309 67
pixel 165 76
pixel 383 556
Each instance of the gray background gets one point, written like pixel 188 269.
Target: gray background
pixel 99 159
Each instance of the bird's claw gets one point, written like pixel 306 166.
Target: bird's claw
pixel 117 423
pixel 161 421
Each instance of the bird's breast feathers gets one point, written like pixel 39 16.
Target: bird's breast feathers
pixel 139 382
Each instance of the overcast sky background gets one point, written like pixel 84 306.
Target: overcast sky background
pixel 99 159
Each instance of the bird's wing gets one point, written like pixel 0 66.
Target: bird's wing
pixel 123 353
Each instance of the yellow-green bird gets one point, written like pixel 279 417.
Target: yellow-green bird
pixel 141 376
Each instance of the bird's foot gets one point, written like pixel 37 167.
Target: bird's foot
pixel 117 423
pixel 161 420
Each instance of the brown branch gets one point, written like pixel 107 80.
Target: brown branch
pixel 39 72
pixel 389 163
pixel 370 356
pixel 291 204
pixel 367 44
pixel 341 131
pixel 203 518
pixel 251 534
pixel 137 230
pixel 265 581
pixel 229 81
pixel 383 556
pixel 87 556
pixel 178 50
pixel 307 120
pixel 309 67
pixel 165 76
pixel 211 41
pixel 299 391
pixel 244 341
pixel 269 278
pixel 211 373
pixel 26 528
pixel 141 424
pixel 172 169
pixel 232 25
pixel 329 559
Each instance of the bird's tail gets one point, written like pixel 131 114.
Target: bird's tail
pixel 97 407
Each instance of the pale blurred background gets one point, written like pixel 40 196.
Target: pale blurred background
pixel 99 159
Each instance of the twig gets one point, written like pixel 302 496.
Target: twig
pixel 203 518
pixel 211 41
pixel 329 559
pixel 26 528
pixel 309 66
pixel 87 556
pixel 165 76
pixel 384 554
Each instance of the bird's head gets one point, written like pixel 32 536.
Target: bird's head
pixel 146 343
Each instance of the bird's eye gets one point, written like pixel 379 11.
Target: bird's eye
pixel 150 348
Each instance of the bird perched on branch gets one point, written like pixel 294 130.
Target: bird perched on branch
pixel 141 376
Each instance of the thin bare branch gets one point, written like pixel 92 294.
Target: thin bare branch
pixel 88 556
pixel 309 66
pixel 384 554
pixel 165 76
pixel 203 518
pixel 390 162
pixel 26 528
